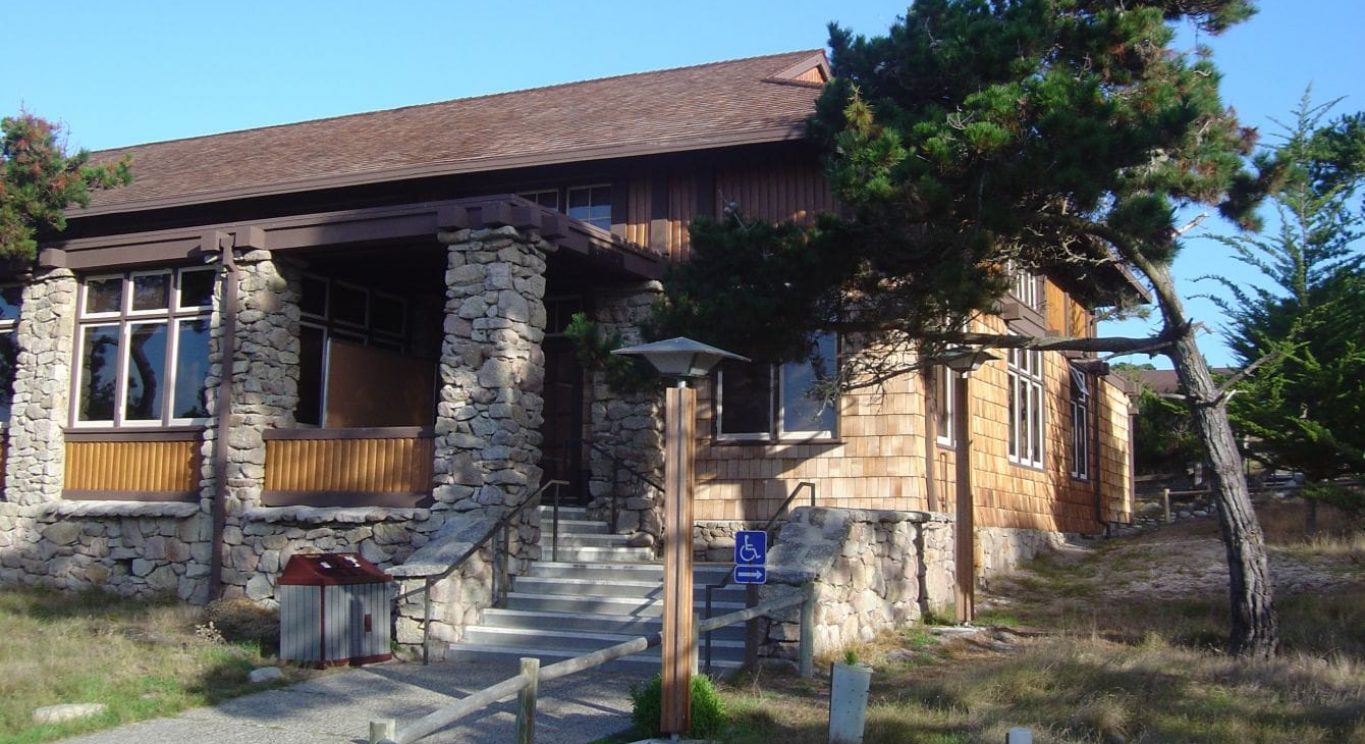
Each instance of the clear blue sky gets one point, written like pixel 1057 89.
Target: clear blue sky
pixel 130 72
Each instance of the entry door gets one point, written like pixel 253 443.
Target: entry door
pixel 562 433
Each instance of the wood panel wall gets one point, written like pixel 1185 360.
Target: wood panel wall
pixel 133 467
pixel 378 465
pixel 777 192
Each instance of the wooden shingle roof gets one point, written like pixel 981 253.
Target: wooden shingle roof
pixel 742 101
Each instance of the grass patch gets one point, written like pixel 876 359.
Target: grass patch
pixel 143 659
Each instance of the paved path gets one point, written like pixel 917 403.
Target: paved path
pixel 338 708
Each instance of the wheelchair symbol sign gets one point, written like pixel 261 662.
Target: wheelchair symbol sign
pixel 751 548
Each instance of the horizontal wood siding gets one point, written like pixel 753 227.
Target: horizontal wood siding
pixel 132 466
pixel 777 192
pixel 388 465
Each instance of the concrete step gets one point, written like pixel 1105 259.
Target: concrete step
pixel 575 640
pixel 702 573
pixel 599 554
pixel 577 513
pixel 616 588
pixel 572 527
pixel 590 605
pixel 646 660
pixel 584 540
pixel 566 621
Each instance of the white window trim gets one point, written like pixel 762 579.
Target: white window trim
pixel 1080 428
pixel 765 436
pixel 1029 379
pixel 945 381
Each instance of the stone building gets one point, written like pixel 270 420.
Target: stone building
pixel 348 334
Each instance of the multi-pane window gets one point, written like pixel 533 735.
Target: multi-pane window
pixel 333 309
pixel 944 380
pixel 1024 376
pixel 1080 425
pixel 591 204
pixel 548 198
pixel 10 297
pixel 1025 288
pixel 143 347
pixel 761 402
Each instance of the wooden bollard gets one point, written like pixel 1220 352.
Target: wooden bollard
pixel 1166 505
pixel 526 701
pixel 383 729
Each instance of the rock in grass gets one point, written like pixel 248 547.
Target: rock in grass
pixel 67 712
pixel 265 674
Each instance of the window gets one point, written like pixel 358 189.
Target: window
pixel 1025 288
pixel 591 204
pixel 143 348
pixel 335 309
pixel 1024 375
pixel 548 198
pixel 10 298
pixel 944 399
pixel 762 402
pixel 1080 425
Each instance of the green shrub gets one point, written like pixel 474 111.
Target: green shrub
pixel 708 711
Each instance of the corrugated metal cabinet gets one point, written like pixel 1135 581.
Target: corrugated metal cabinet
pixel 334 609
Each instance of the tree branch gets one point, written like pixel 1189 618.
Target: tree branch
pixel 1224 393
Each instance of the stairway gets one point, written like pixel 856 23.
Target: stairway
pixel 598 593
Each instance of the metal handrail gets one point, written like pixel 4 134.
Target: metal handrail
pixel 750 596
pixel 619 465
pixel 500 579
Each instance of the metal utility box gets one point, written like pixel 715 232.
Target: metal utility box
pixel 334 609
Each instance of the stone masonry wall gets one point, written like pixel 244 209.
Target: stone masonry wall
pixel 629 425
pixel 872 570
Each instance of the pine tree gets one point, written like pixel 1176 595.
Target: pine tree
pixel 38 181
pixel 1058 136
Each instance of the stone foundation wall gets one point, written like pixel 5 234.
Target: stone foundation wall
pixel 1001 550
pixel 871 569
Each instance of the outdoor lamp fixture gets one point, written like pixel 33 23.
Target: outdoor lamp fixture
pixel 683 359
pixel 964 360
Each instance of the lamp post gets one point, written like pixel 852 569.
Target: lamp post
pixel 964 361
pixel 681 359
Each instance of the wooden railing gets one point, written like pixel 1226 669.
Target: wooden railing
pixel 388 466
pixel 526 684
pixel 135 466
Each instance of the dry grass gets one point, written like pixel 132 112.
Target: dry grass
pixel 1136 669
pixel 142 659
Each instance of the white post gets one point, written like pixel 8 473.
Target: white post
pixel 383 729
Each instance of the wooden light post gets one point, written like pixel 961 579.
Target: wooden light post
pixel 963 362
pixel 681 359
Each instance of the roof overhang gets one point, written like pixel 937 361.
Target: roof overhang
pixel 410 222
pixel 789 132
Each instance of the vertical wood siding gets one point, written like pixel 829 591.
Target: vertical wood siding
pixel 777 192
pixel 638 209
pixel 682 207
pixel 132 466
pixel 349 465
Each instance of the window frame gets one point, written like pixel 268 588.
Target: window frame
pixel 590 187
pixel 1080 425
pixel 1025 286
pixel 171 318
pixel 945 403
pixel 776 414
pixel 1026 384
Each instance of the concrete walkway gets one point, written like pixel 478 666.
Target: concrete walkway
pixel 338 708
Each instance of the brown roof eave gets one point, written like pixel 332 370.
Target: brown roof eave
pixel 729 139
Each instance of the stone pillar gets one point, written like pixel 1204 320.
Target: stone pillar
pixel 265 376
pixel 492 374
pixel 629 425
pixel 35 463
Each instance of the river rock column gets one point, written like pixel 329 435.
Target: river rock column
pixel 265 378
pixel 36 460
pixel 492 374
pixel 629 425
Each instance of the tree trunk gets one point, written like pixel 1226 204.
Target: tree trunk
pixel 1255 630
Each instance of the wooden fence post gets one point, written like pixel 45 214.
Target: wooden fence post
pixel 383 729
pixel 1166 505
pixel 526 699
pixel 808 632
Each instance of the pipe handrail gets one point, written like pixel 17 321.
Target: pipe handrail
pixel 442 717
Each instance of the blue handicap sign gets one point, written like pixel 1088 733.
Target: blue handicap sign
pixel 751 575
pixel 751 548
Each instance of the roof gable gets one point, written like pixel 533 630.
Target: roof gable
pixel 723 103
